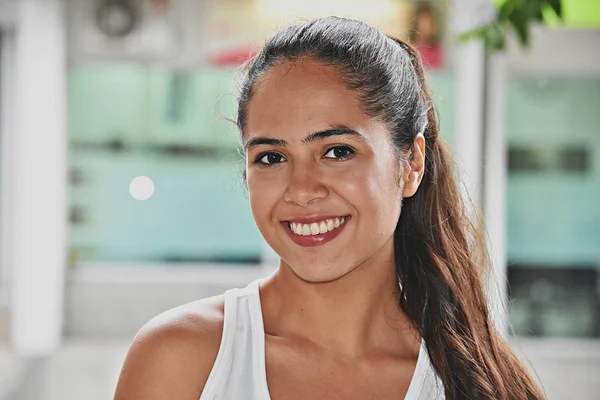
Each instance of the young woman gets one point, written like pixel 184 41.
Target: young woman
pixel 379 291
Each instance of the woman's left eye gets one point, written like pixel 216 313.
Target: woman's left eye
pixel 339 152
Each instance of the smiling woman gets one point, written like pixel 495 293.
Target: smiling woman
pixel 379 291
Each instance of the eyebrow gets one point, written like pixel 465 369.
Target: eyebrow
pixel 319 135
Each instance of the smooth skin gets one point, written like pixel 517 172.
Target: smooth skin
pixel 334 329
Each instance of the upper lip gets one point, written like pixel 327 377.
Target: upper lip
pixel 308 219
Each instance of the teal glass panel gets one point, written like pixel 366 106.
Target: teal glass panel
pixel 127 121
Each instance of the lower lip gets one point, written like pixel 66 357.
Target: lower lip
pixel 314 240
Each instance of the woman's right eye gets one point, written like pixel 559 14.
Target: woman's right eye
pixel 269 158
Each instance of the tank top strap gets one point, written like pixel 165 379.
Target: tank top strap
pixel 239 369
pixel 254 308
pixel 224 355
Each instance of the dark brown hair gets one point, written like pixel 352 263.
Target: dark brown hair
pixel 441 259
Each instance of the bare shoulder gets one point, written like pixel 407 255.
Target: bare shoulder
pixel 173 354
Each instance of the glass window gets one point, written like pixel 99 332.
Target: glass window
pixel 127 121
pixel 554 206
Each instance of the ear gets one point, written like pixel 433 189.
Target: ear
pixel 414 168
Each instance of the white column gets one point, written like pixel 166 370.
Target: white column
pixel 468 131
pixel 496 171
pixel 7 13
pixel 471 151
pixel 40 177
pixel 7 160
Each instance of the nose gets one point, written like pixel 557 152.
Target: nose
pixel 305 186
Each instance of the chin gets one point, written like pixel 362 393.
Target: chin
pixel 317 272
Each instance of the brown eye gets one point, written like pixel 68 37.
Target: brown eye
pixel 339 152
pixel 270 158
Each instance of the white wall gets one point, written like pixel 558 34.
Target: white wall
pixel 114 301
pixel 556 53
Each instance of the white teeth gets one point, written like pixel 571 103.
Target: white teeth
pixel 305 230
pixel 316 228
pixel 322 227
pixel 330 226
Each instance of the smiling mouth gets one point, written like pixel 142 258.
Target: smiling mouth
pixel 318 227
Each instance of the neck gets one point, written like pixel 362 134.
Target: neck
pixel 354 315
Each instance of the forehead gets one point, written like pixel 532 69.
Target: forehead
pixel 294 99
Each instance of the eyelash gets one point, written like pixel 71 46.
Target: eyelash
pixel 349 153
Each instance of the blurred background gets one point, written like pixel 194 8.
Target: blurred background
pixel 121 192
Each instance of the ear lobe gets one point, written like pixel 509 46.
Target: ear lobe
pixel 415 167
pixel 411 185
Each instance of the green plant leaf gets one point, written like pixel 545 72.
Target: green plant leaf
pixel 479 33
pixel 556 6
pixel 516 15
pixel 495 38
pixel 519 21
pixel 506 9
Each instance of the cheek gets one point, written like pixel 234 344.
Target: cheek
pixel 263 194
pixel 377 194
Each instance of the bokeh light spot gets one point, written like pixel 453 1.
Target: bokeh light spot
pixel 141 188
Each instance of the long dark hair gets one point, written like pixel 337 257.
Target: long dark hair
pixel 441 259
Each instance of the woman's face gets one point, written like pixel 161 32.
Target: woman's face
pixel 323 177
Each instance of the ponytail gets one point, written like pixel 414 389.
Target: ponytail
pixel 441 264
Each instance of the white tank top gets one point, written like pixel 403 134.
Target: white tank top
pixel 239 371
